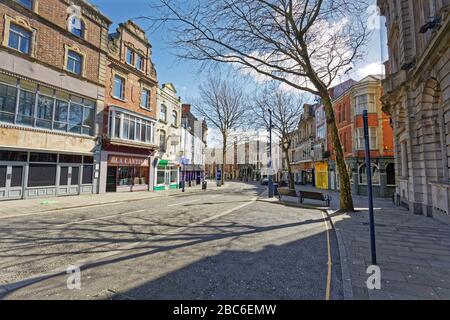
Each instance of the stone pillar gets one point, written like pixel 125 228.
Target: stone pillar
pixel 103 171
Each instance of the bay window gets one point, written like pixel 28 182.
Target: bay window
pixel 128 127
pixel 8 95
pixel 365 102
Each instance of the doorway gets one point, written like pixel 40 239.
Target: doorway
pixel 11 182
pixel 69 180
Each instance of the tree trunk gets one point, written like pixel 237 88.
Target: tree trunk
pixel 346 199
pixel 290 174
pixel 224 156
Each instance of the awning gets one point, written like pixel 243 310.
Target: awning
pixel 163 162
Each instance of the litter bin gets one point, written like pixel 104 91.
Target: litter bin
pixel 204 185
pixel 275 189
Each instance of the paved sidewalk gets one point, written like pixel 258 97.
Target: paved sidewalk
pixel 413 251
pixel 35 206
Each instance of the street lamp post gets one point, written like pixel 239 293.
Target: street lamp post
pixel 184 156
pixel 271 186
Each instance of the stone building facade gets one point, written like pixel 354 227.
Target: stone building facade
pixel 417 96
pixel 52 75
pixel 129 116
pixel 168 157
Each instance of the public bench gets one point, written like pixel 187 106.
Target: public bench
pixel 314 196
pixel 286 192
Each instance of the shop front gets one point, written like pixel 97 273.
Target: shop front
pixel 303 173
pixel 25 174
pixel 167 175
pixel 192 174
pixel 321 171
pixel 128 173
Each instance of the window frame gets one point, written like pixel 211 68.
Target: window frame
pixel 361 175
pixel 69 58
pixel 71 28
pixel 30 7
pixel 148 95
pixel 19 33
pixel 163 107
pixel 122 89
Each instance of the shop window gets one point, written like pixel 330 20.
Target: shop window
pixel 44 112
pixel 375 175
pixel 25 114
pixel 88 173
pixel 3 176
pixel 8 95
pixel 390 174
pixel 67 158
pixel 64 176
pixel 16 176
pixel 41 175
pixel 174 175
pixel 75 176
pixel 19 39
pixel 13 156
pixel 74 62
pixel 88 159
pixel 161 176
pixel 43 157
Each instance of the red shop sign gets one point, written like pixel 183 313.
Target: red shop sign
pixel 128 161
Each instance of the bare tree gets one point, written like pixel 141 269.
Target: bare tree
pixel 286 108
pixel 305 44
pixel 224 106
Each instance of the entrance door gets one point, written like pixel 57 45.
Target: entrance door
pixel 111 179
pixel 69 180
pixel 11 182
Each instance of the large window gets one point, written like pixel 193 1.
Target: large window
pixel 162 141
pixel 139 62
pixel 75 118
pixel 19 39
pixel 375 175
pixel 360 141
pixel 174 118
pixel 74 62
pixel 44 112
pixel 365 102
pixel 25 115
pixel 145 99
pixel 61 115
pixel 8 96
pixel 119 87
pixel 163 113
pixel 133 128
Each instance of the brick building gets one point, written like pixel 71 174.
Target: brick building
pixel 349 102
pixel 129 116
pixel 52 75
pixel 417 96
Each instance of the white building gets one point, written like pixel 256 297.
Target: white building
pixel 167 161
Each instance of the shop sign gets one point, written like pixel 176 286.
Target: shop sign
pixel 128 161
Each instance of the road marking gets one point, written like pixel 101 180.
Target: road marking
pixel 330 262
pixel 180 204
pixel 99 218
pixel 60 271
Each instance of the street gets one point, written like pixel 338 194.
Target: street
pixel 220 244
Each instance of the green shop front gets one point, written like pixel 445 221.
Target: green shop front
pixel 167 175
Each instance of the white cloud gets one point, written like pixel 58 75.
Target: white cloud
pixel 373 68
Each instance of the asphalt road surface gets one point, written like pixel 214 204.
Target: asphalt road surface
pixel 227 244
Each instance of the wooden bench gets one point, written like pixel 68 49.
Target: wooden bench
pixel 314 196
pixel 286 192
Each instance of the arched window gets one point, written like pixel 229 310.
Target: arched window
pixel 174 118
pixel 76 26
pixel 162 141
pixel 390 174
pixel 375 174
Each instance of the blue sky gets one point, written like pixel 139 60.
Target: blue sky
pixel 184 74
